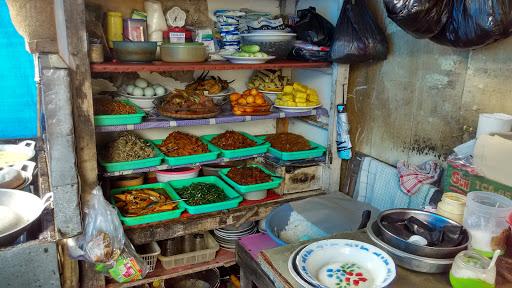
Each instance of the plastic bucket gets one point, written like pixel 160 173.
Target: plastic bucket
pixel 485 218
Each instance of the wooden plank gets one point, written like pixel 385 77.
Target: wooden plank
pixel 223 258
pixel 158 66
pixel 142 234
pixel 250 271
pixel 72 42
pixel 282 125
pixel 275 262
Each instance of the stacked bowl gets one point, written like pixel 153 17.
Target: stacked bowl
pixel 228 236
pixel 341 263
pixel 410 253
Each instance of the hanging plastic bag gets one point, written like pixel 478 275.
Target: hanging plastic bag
pixel 313 28
pixel 473 24
pixel 358 37
pixel 420 18
pixel 128 267
pixel 103 237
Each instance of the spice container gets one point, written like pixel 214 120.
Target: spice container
pixel 452 206
pixel 471 270
pixel 114 27
pixel 485 219
pixel 96 54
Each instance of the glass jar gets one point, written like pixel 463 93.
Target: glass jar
pixel 470 270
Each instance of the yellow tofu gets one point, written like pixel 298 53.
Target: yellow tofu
pixel 311 91
pixel 300 100
pixel 288 89
pixel 287 98
pixel 279 102
pixel 291 104
pixel 299 87
pixel 301 95
pixel 302 105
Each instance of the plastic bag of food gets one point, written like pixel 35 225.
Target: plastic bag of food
pixel 128 267
pixel 473 24
pixel 313 28
pixel 156 18
pixel 358 37
pixel 420 18
pixel 103 237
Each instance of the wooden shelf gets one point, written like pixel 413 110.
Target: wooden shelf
pixel 188 224
pixel 158 66
pixel 224 118
pixel 223 258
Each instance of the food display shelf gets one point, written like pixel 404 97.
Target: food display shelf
pixel 188 223
pixel 223 258
pixel 165 166
pixel 158 66
pixel 162 122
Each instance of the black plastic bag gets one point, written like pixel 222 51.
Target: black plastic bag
pixel 358 37
pixel 420 18
pixel 473 24
pixel 313 28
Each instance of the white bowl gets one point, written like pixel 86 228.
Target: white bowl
pixel 327 263
pixel 144 103
pixel 177 174
pixel 255 195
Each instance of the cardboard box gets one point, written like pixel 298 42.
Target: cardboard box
pixel 459 180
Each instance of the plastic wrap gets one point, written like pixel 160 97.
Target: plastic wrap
pixel 358 37
pixel 313 28
pixel 473 24
pixel 420 18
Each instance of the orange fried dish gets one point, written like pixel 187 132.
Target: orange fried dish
pixel 112 107
pixel 231 140
pixel 288 142
pixel 182 144
pixel 144 201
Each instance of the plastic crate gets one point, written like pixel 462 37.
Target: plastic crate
pixel 149 253
pixel 260 148
pixel 208 254
pixel 191 159
pixel 135 164
pixel 123 119
pixel 149 218
pixel 316 150
pixel 276 181
pixel 232 202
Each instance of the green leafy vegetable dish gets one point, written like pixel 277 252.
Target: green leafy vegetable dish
pixel 201 194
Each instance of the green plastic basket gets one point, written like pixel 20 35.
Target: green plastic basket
pixel 192 159
pixel 135 164
pixel 260 148
pixel 316 150
pixel 123 119
pixel 276 181
pixel 233 202
pixel 150 218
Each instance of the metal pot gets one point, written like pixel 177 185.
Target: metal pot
pixel 19 209
pixel 406 260
pixel 183 52
pixel 137 51
pixel 23 151
pixel 424 251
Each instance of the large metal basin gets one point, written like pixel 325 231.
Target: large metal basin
pixel 433 219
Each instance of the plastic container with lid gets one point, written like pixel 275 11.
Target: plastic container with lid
pixel 485 219
pixel 114 27
pixel 452 206
pixel 471 270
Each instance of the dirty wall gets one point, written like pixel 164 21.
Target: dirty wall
pixel 425 98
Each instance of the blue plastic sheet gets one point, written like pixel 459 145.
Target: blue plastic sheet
pixel 18 98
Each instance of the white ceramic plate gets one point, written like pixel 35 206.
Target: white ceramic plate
pixel 249 60
pixel 294 273
pixel 323 262
pixel 296 109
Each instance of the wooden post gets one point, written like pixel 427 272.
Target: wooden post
pixel 72 43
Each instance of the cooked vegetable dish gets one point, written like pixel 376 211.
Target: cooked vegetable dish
pixel 201 194
pixel 182 144
pixel 105 106
pixel 248 175
pixel 231 140
pixel 187 102
pixel 288 142
pixel 127 147
pixel 144 201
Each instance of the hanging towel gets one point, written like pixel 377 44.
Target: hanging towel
pixel 412 177
pixel 378 184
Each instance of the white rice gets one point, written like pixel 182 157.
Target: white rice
pixel 299 229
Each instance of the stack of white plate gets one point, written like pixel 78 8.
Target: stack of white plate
pixel 341 263
pixel 228 236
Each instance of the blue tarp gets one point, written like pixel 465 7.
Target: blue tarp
pixel 18 100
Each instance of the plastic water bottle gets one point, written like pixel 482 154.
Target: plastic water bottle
pixel 343 144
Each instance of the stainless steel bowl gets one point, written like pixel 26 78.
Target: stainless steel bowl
pixel 142 51
pixel 183 52
pixel 424 251
pixel 406 260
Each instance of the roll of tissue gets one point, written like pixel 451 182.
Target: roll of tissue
pixel 494 123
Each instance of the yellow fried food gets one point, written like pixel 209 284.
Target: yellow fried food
pixel 144 201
